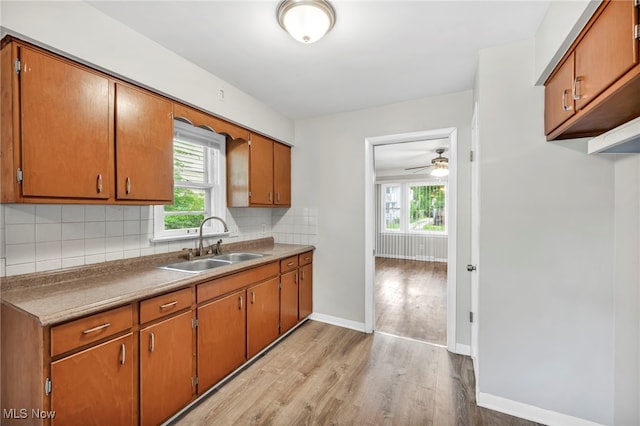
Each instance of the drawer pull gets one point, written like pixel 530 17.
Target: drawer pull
pixel 152 342
pixel 123 354
pixel 169 305
pixel 307 258
pixel 290 264
pixel 98 328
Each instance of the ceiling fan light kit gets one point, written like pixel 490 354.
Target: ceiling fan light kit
pixel 440 165
pixel 306 20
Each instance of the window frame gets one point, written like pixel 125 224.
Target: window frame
pixel 214 186
pixel 405 207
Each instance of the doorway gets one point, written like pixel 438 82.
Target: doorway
pixel 432 220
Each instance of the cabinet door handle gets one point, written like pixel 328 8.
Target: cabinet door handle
pixel 123 354
pixel 302 274
pixel 100 327
pixel 240 303
pixel 577 83
pixel 152 342
pixel 99 184
pixel 253 297
pixel 270 196
pixel 278 196
pixel 565 107
pixel 296 278
pixel 128 185
pixel 169 305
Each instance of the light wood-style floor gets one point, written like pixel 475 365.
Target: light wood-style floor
pixel 327 375
pixel 411 299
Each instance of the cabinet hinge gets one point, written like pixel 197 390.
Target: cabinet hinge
pixel 249 194
pixel 19 175
pixel 47 386
pixel 470 316
pixel 194 323
pixel 471 156
pixel 194 381
pixel 636 3
pixel 279 326
pixel 280 285
pixel 17 66
pixel 637 31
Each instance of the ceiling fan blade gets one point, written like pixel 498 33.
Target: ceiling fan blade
pixel 419 167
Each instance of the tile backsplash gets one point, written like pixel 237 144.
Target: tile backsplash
pixel 43 237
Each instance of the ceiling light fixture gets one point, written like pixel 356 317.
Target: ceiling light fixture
pixel 440 169
pixel 306 20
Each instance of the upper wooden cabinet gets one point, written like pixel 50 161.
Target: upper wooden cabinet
pixel 71 134
pixel 144 146
pixel 66 139
pixel 258 173
pixel 201 119
pixel 595 87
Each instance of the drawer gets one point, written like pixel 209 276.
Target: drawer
pixel 164 305
pixel 83 331
pixel 215 288
pixel 305 258
pixel 288 264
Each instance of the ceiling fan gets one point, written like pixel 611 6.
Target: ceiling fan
pixel 440 165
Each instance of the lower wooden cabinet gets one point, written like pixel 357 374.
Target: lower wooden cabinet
pixel 221 338
pixel 305 291
pixel 288 300
pixel 263 315
pixel 166 368
pixel 95 386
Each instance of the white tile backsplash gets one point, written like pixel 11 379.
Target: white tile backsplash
pixel 49 237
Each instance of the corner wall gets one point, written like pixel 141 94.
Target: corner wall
pixel 546 268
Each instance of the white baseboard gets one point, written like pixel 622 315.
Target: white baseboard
pixel 462 349
pixel 341 322
pixel 529 412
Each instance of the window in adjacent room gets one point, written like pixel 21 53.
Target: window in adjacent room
pixel 415 207
pixel 199 184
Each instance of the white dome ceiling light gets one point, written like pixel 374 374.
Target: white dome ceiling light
pixel 306 20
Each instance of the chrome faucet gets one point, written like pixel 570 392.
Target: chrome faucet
pixel 200 246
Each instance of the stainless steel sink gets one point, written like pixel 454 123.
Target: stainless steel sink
pixel 238 257
pixel 200 265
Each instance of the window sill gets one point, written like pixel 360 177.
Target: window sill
pixel 414 234
pixel 189 237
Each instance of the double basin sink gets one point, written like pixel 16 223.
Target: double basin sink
pixel 200 265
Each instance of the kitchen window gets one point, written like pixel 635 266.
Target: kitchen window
pixel 414 207
pixel 199 185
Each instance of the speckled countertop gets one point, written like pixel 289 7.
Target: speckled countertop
pixel 64 295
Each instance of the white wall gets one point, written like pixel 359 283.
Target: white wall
pixel 627 291
pixel 546 252
pixel 80 31
pixel 328 173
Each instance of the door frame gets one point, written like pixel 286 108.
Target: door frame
pixel 369 217
pixel 475 245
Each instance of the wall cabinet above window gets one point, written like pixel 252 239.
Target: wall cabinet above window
pixel 596 86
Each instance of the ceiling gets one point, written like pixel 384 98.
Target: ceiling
pixel 379 52
pixel 392 159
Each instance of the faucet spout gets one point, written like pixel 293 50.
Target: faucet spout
pixel 200 245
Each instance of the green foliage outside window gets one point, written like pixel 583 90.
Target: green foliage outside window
pixel 426 208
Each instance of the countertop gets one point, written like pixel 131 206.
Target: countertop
pixel 64 295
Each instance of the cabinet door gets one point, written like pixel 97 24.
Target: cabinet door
pixel 282 174
pixel 305 291
pixel 261 171
pixel 288 300
pixel 144 146
pixel 66 135
pixel 558 96
pixel 606 52
pixel 221 338
pixel 263 314
pixel 95 386
pixel 166 368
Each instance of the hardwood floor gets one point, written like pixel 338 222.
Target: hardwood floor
pixel 411 299
pixel 327 375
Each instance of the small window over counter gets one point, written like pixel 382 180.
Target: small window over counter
pixel 199 188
